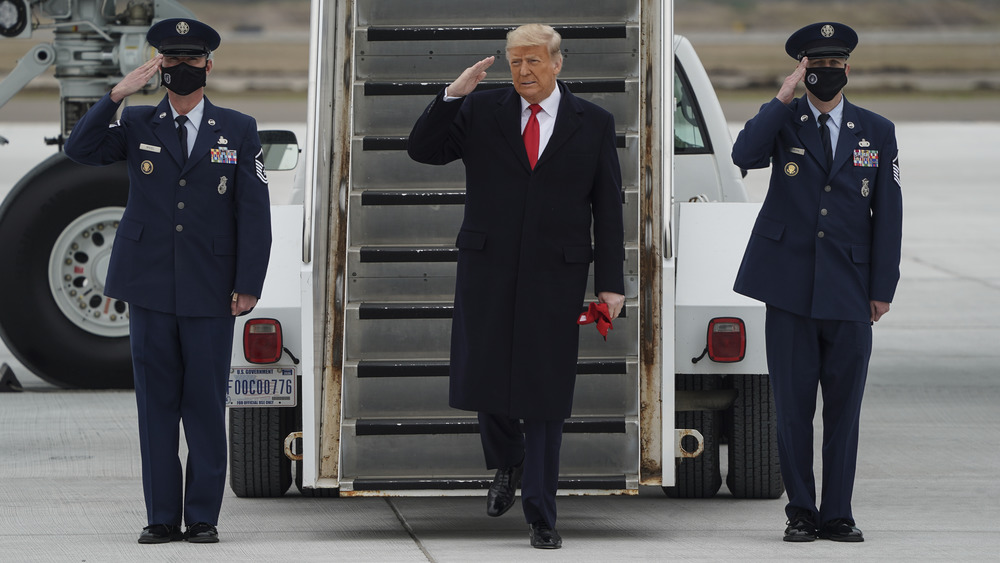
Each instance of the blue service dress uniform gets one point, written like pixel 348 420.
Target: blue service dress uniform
pixel 195 230
pixel 825 244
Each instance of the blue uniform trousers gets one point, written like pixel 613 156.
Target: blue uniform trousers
pixel 538 446
pixel 181 367
pixel 804 354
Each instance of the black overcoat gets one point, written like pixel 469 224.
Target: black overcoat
pixel 525 245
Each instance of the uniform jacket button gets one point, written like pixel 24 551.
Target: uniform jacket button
pixel 181 228
pixel 183 183
pixel 820 235
pixel 180 205
pixel 821 211
pixel 828 188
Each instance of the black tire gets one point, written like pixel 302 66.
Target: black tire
pixel 52 344
pixel 258 466
pixel 754 466
pixel 699 477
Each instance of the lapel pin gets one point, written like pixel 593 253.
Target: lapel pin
pixel 804 118
pixel 850 125
pixel 162 115
pixel 211 122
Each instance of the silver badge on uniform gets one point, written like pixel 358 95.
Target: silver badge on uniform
pixel 222 140
pixel 223 179
pixel 162 115
pixel 211 122
pixel 864 188
pixel 850 125
pixel 863 143
pixel 804 118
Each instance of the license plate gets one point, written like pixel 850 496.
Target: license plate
pixel 261 387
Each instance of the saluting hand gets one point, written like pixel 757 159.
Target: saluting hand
pixel 787 91
pixel 136 79
pixel 470 78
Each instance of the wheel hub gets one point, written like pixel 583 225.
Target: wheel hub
pixel 78 269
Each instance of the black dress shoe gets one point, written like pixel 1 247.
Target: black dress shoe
pixel 801 528
pixel 160 533
pixel 201 533
pixel 841 529
pixel 500 497
pixel 544 537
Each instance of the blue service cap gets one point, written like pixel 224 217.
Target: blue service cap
pixel 822 40
pixel 183 37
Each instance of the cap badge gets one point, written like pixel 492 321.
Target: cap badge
pixel 183 28
pixel 863 143
pixel 827 30
pixel 864 188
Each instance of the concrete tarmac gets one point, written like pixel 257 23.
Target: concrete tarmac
pixel 927 487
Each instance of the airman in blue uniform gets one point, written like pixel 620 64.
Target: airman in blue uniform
pixel 189 255
pixel 824 256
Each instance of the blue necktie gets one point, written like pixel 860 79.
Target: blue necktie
pixel 182 134
pixel 824 133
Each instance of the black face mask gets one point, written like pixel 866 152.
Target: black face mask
pixel 825 82
pixel 182 79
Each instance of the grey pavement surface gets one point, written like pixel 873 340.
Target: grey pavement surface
pixel 927 485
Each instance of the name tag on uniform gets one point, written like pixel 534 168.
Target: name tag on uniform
pixel 866 158
pixel 150 148
pixel 797 150
pixel 223 156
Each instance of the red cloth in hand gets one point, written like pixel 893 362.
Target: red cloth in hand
pixel 597 313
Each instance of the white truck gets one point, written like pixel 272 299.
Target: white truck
pixel 340 375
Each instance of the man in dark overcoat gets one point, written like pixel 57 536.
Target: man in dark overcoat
pixel 190 253
pixel 824 256
pixel 541 171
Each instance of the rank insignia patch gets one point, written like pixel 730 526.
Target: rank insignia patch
pixel 866 158
pixel 223 156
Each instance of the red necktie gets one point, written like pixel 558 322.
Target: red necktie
pixel 531 135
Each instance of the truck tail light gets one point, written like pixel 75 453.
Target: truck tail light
pixel 262 341
pixel 727 339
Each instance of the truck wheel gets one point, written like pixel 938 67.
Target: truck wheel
pixel 258 466
pixel 754 468
pixel 699 477
pixel 57 226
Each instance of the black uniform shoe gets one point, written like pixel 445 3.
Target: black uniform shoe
pixel 801 528
pixel 500 497
pixel 201 533
pixel 841 529
pixel 544 537
pixel 160 533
